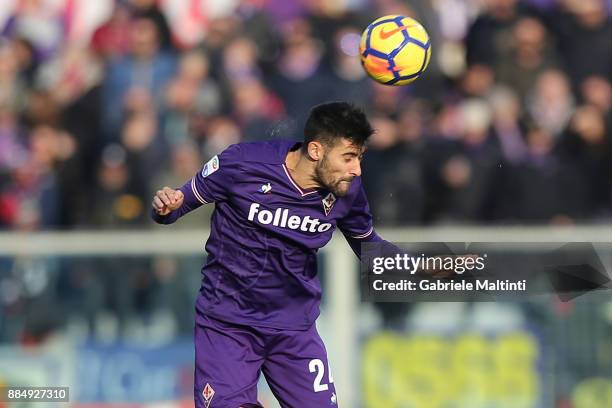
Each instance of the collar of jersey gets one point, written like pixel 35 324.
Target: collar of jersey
pixel 303 192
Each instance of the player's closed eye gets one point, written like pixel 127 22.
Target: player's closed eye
pixel 350 156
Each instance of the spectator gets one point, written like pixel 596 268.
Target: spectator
pixel 116 203
pixel 597 91
pixel 145 150
pixel 477 81
pixel 584 30
pixel 112 39
pixel 507 124
pixel 137 80
pixel 39 22
pixel 586 145
pixel 301 81
pixel 349 78
pixel 544 189
pixel 256 109
pixel 36 185
pixel 12 87
pixel 551 102
pixel 220 133
pixel 26 60
pixel 470 175
pixel 396 156
pixel 485 37
pixel 530 54
pixel 148 9
pixel 190 96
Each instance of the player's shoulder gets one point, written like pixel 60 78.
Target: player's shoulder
pixel 355 189
pixel 268 151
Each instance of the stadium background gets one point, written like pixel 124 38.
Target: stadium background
pixel 102 102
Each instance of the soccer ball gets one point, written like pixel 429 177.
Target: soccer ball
pixel 395 50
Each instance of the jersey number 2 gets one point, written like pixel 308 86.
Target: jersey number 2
pixel 317 366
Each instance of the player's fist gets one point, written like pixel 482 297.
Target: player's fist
pixel 167 200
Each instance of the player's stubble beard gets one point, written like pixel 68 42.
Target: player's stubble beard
pixel 323 176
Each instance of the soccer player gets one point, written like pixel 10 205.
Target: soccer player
pixel 276 203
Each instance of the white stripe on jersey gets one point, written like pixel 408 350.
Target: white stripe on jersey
pixel 363 235
pixel 196 193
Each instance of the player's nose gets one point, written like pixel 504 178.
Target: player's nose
pixel 356 170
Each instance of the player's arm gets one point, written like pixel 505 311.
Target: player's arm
pixel 357 228
pixel 209 185
pixel 355 243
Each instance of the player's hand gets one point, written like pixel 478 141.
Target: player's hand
pixel 167 200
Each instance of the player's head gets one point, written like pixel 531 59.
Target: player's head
pixel 334 138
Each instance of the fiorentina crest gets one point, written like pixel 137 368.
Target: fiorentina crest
pixel 328 203
pixel 208 393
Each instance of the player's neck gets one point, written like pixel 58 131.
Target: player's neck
pixel 301 170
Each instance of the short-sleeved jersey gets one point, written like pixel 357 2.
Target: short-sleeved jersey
pixel 265 232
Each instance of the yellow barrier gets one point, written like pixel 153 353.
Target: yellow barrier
pixel 470 370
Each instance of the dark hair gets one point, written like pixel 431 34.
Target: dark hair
pixel 332 121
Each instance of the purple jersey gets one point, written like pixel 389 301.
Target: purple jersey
pixel 265 232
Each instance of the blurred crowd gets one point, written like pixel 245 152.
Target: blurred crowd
pixel 102 103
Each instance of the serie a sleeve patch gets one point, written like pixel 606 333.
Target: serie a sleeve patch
pixel 210 167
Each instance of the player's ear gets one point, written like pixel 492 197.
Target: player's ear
pixel 315 150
